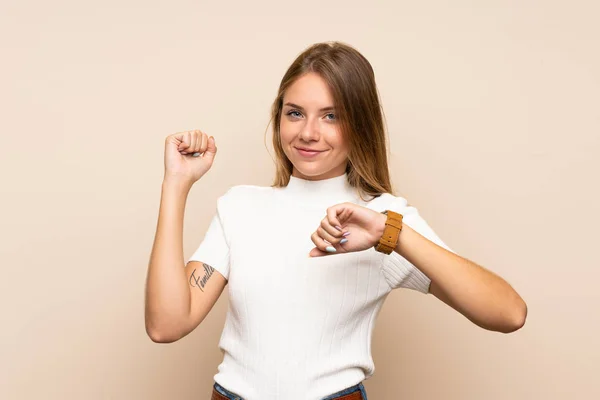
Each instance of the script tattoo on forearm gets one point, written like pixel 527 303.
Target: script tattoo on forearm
pixel 195 281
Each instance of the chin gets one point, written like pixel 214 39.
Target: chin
pixel 312 170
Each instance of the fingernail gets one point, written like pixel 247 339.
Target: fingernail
pixel 330 249
pixel 343 241
pixel 346 234
pixel 339 228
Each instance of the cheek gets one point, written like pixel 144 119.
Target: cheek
pixel 337 141
pixel 285 131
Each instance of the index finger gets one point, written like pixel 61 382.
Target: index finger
pixel 334 213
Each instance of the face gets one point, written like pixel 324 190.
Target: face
pixel 310 133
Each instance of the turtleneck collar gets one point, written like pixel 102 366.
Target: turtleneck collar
pixel 320 193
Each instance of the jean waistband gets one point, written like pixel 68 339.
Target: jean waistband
pixel 359 387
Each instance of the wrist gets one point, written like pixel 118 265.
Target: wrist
pixel 177 184
pixel 389 227
pixel 379 227
pixel 400 245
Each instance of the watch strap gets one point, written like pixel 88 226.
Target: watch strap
pixel 391 232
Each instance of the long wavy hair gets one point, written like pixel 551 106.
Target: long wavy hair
pixel 351 80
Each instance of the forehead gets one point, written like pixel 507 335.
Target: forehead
pixel 310 90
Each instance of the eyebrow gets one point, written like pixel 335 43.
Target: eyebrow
pixel 302 108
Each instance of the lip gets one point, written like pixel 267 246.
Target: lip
pixel 308 152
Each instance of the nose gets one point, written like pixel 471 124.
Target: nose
pixel 310 131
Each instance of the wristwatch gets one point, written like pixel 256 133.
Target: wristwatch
pixel 391 232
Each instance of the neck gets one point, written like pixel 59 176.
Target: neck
pixel 321 193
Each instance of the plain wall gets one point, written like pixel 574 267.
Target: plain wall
pixel 493 112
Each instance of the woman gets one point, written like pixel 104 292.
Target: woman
pixel 311 259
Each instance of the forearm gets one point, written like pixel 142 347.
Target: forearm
pixel 480 295
pixel 167 292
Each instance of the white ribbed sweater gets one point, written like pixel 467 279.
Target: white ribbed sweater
pixel 299 328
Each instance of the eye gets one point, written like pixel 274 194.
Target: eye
pixel 294 113
pixel 333 117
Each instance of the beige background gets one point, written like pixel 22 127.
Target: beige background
pixel 494 116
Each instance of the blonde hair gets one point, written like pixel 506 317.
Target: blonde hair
pixel 351 80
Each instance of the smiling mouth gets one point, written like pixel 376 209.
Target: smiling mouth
pixel 308 152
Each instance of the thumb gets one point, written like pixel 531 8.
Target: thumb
pixel 211 150
pixel 315 252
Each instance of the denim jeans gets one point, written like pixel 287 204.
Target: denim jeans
pixel 351 389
